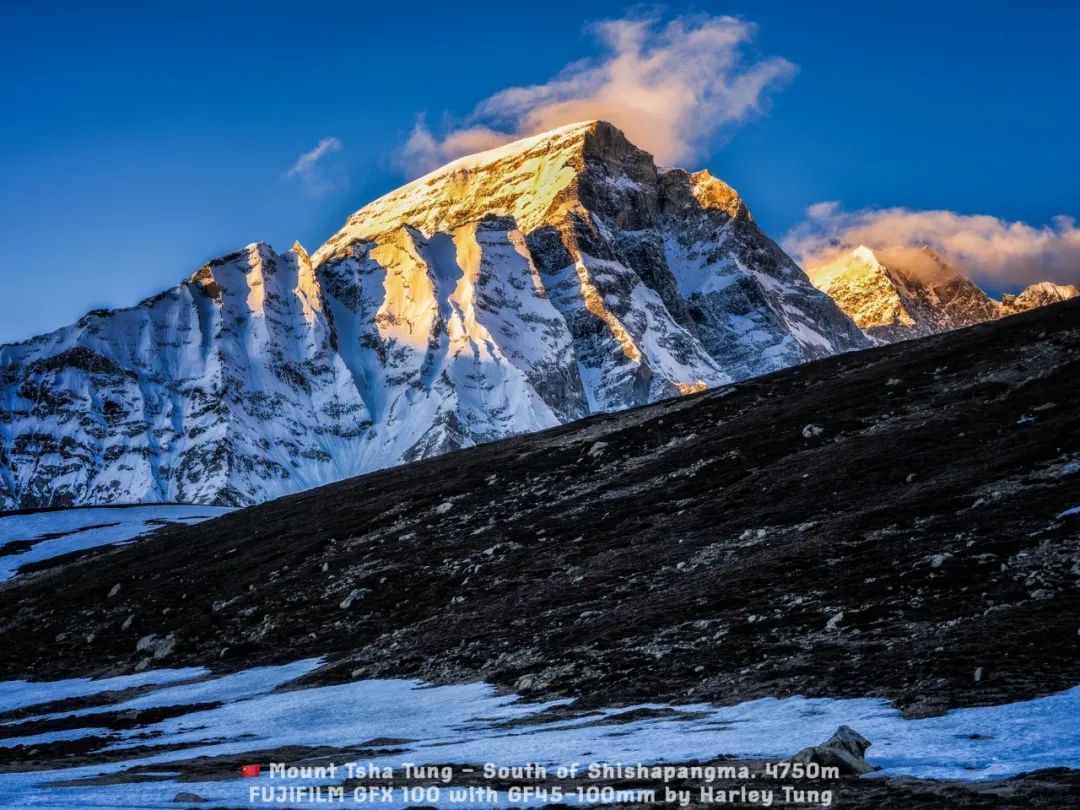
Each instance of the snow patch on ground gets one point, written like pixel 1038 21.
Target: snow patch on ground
pixel 62 532
pixel 474 724
pixel 22 694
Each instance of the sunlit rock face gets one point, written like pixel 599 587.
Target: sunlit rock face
pixel 902 293
pixel 1041 294
pixel 507 292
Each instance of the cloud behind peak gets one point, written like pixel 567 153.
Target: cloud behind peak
pixel 996 252
pixel 671 87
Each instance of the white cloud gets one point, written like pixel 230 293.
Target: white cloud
pixel 315 174
pixel 424 152
pixel 670 88
pixel 990 250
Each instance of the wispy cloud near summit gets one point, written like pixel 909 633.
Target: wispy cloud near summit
pixel 670 87
pixel 313 172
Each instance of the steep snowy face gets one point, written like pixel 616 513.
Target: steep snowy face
pixel 663 279
pixel 450 339
pixel 507 292
pixel 224 389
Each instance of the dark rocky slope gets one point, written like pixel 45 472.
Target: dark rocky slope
pixel 885 523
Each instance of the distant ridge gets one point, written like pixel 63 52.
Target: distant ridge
pixel 902 292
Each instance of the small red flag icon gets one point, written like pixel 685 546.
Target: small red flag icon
pixel 249 770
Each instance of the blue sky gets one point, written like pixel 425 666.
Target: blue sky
pixel 139 140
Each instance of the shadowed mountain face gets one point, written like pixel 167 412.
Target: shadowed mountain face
pixel 507 292
pixel 898 522
pixel 902 293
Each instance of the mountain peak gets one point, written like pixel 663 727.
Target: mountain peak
pixel 509 291
pixel 858 265
pixel 865 254
pixel 906 291
pixel 1039 294
pixel 1061 292
pixel 558 138
pixel 712 192
pixel 534 180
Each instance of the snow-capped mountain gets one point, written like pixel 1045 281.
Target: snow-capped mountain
pixel 1041 294
pixel 904 292
pixel 506 292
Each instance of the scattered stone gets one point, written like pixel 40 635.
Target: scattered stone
pixel 532 682
pixel 978 674
pixel 157 646
pixel 127 622
pixel 833 624
pixel 843 750
pixel 911 477
pixel 354 594
pixel 810 431
pixel 444 507
pixel 597 449
pixel 188 796
pixel 114 590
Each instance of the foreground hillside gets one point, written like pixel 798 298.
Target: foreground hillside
pixel 900 522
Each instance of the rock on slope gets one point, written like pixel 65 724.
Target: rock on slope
pixel 903 293
pixel 507 292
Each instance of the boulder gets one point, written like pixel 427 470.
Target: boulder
pixel 354 594
pixel 157 646
pixel 843 750
pixel 188 796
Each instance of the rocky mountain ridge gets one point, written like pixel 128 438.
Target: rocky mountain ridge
pixel 507 292
pixel 902 293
